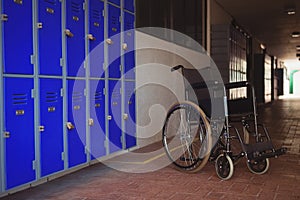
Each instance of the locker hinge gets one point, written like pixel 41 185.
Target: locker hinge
pixel 62 92
pixel 121 68
pixel 6 134
pixel 32 59
pixel 121 139
pixel 33 93
pixel 84 64
pixel 62 155
pixel 34 167
pixel 61 62
pixel 106 144
pixel 85 92
pixel 103 13
pixel 103 66
pixel 104 91
pixel 4 17
pixel 120 19
pixel 84 6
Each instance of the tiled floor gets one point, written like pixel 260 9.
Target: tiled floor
pixel 282 181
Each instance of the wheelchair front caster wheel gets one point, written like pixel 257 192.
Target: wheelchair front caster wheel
pixel 224 167
pixel 258 167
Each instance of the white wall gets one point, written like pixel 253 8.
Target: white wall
pixel 157 87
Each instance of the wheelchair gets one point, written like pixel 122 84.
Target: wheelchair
pixel 193 135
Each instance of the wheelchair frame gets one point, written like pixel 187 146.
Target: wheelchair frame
pixel 191 139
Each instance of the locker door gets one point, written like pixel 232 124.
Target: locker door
pixel 19 124
pixel 51 135
pixel 114 118
pixel 129 5
pixel 129 40
pixel 17 37
pixel 96 31
pixel 114 48
pixel 97 119
pixel 76 122
pixel 129 114
pixel 117 2
pixel 49 37
pixel 75 37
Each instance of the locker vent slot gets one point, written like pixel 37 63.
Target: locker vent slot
pixel 114 20
pixel 77 97
pixel 98 96
pixel 19 99
pixel 75 7
pixel 96 15
pixel 53 2
pixel 51 97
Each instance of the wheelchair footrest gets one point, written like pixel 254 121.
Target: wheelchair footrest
pixel 258 147
pixel 272 154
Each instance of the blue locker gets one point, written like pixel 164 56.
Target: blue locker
pixel 97 119
pixel 114 118
pixel 75 38
pixel 17 37
pixel 96 37
pixel 19 127
pixel 129 51
pixel 49 33
pixel 76 122
pixel 129 114
pixel 51 135
pixel 117 2
pixel 114 48
pixel 129 5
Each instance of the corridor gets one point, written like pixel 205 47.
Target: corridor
pixel 282 181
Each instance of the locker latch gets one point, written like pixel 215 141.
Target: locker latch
pixel 6 134
pixel 69 33
pixel 91 122
pixel 109 41
pixel 41 128
pixel 124 46
pixel 109 117
pixel 125 116
pixel 70 126
pixel 4 17
pixel 91 37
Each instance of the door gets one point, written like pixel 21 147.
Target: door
pixel 97 119
pixel 129 5
pixel 75 38
pixel 129 48
pixel 49 34
pixel 76 124
pixel 114 118
pixel 96 37
pixel 114 39
pixel 51 129
pixel 17 37
pixel 129 114
pixel 19 127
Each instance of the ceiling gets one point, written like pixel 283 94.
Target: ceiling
pixel 267 21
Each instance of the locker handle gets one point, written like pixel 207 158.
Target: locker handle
pixel 125 116
pixel 109 41
pixel 109 117
pixel 124 46
pixel 6 134
pixel 70 126
pixel 91 37
pixel 69 33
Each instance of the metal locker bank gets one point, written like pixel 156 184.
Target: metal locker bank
pixel 62 80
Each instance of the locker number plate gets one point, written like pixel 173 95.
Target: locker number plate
pixel 20 112
pixel 18 2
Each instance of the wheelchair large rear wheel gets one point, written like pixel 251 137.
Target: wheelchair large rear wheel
pixel 186 136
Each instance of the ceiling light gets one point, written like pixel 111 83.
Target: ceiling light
pixel 295 34
pixel 290 11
